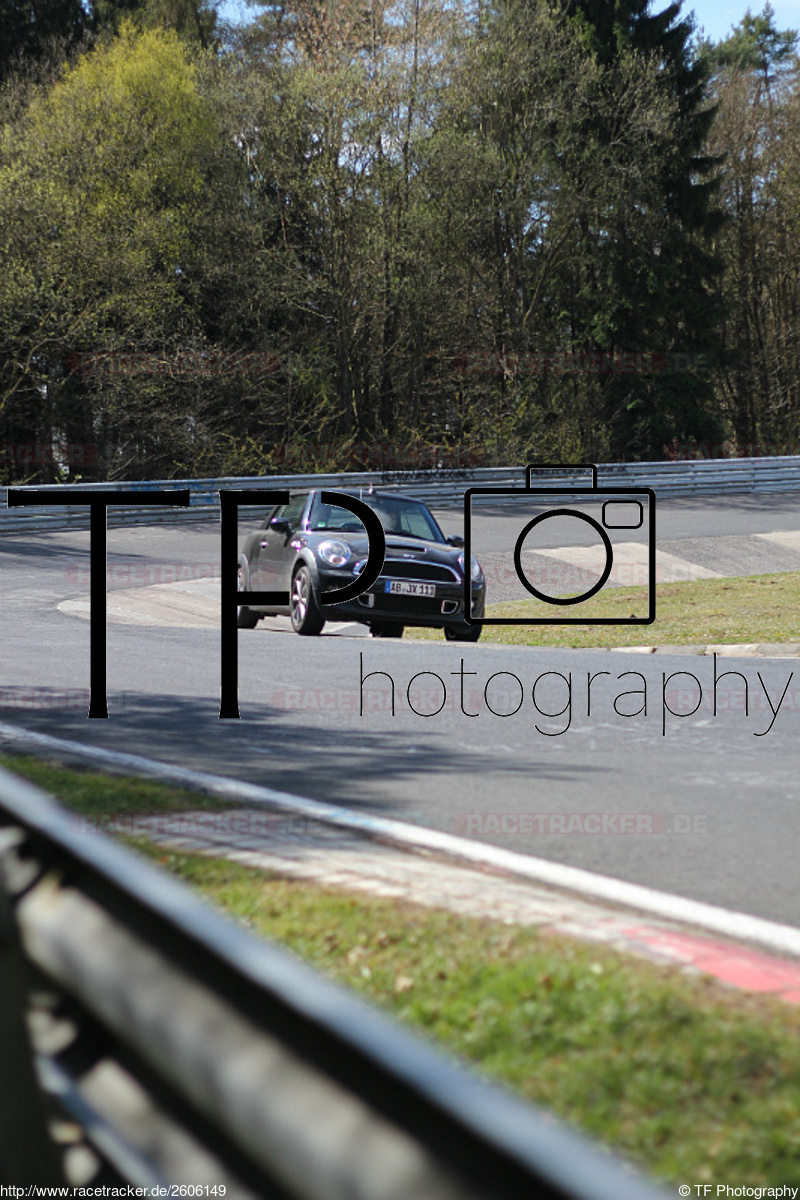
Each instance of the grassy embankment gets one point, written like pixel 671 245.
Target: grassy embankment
pixel 750 608
pixel 692 1081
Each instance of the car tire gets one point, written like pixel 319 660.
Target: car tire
pixel 463 633
pixel 306 617
pixel 246 618
pixel 387 629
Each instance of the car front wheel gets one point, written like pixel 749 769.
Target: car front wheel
pixel 304 610
pixel 246 618
pixel 463 633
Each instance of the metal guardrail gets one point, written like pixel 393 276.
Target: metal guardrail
pixel 169 1046
pixel 437 487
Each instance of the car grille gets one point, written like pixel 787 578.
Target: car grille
pixel 420 606
pixel 397 568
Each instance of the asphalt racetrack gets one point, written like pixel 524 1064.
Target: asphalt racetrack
pixel 510 745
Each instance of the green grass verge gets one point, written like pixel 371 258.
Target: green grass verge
pixel 94 794
pixel 688 1081
pixel 695 1083
pixel 750 608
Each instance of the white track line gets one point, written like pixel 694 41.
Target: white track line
pixel 784 939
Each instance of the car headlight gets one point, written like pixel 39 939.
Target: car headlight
pixel 335 554
pixel 476 571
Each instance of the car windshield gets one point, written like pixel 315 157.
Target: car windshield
pixel 398 516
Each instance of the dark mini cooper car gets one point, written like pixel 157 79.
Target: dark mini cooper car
pixel 307 547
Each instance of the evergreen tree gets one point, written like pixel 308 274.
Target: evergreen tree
pixel 28 28
pixel 32 30
pixel 755 45
pixel 193 20
pixel 655 293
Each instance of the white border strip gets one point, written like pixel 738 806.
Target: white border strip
pixel 785 939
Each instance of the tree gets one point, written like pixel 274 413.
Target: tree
pixel 341 100
pixel 30 28
pixel 100 183
pixel 756 128
pixel 193 20
pixel 36 30
pixel 555 159
pixel 656 294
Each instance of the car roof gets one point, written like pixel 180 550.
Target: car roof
pixel 357 494
pixel 365 494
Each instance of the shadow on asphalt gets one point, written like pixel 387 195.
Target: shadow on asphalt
pixel 269 746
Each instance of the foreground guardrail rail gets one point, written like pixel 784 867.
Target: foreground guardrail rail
pixel 171 1047
pixel 443 487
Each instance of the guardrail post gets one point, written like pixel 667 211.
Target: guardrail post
pixel 27 1153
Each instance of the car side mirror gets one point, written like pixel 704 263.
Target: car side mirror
pixel 281 525
pixel 455 541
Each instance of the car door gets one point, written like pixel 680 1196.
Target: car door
pixel 275 554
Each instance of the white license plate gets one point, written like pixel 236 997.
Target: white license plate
pixel 399 587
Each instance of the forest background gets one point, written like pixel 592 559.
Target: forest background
pixel 392 234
